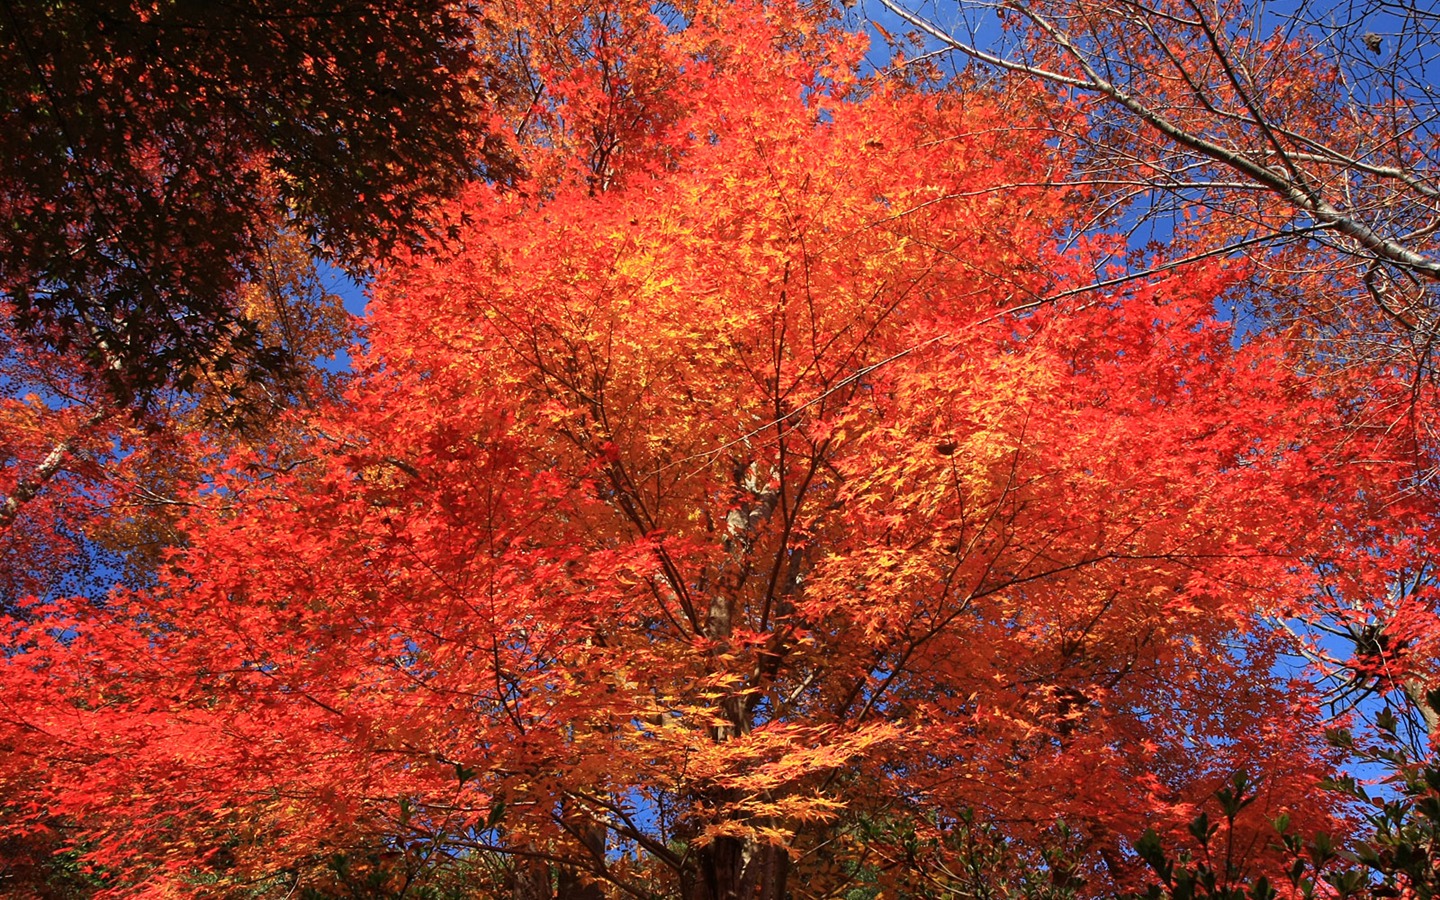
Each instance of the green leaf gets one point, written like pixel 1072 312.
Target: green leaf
pixel 1201 828
pixel 1367 854
pixel 1149 849
pixel 1347 882
pixel 1322 850
pixel 1340 737
pixel 1261 889
pixel 1297 870
pixel 1432 777
pixel 1385 721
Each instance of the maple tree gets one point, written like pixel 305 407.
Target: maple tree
pixel 85 478
pixel 149 149
pixel 1301 141
pixel 94 494
pixel 744 507
pixel 1301 137
pixel 169 172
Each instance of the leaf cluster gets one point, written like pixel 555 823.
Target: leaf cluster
pixel 1398 856
pixel 151 151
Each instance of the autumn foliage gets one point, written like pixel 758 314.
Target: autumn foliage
pixel 152 150
pixel 743 506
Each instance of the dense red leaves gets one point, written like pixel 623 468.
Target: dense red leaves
pixel 728 500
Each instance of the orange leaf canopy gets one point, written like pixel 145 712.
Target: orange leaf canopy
pixel 728 498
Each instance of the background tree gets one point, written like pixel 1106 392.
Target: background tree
pixel 169 174
pixel 149 149
pixel 111 504
pixel 1299 141
pixel 1288 136
pixel 92 494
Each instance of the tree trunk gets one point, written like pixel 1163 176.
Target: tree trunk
pixel 572 882
pixel 53 462
pixel 735 868
pixel 530 879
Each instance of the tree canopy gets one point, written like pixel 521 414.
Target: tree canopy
pixel 781 491
pixel 153 150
